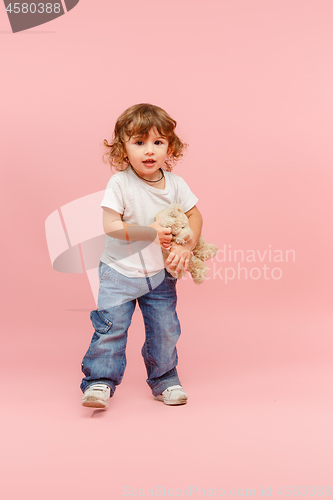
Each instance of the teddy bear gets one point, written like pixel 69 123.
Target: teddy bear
pixel 173 216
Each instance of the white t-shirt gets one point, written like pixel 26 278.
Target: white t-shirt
pixel 139 203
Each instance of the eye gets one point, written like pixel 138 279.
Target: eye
pixel 139 143
pixel 160 142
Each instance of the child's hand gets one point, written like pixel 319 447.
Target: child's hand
pixel 163 233
pixel 179 256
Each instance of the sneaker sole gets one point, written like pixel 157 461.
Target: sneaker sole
pixel 171 403
pixel 95 404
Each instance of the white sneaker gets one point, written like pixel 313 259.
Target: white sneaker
pixel 96 396
pixel 173 395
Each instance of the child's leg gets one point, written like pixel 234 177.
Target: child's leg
pixel 162 332
pixel 105 360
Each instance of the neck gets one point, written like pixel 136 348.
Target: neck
pixel 157 176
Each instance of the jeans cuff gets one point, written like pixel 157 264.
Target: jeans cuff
pixel 164 384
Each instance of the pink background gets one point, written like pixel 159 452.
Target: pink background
pixel 250 85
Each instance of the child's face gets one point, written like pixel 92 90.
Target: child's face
pixel 147 155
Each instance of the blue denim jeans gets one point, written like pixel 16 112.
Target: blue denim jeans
pixel 105 360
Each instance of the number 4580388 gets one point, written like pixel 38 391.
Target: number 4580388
pixel 32 8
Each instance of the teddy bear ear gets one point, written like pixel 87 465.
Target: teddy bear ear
pixel 172 211
pixel 178 208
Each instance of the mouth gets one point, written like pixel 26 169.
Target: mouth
pixel 149 162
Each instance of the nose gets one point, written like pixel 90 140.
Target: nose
pixel 149 149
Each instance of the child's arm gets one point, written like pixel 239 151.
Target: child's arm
pixel 180 254
pixel 196 221
pixel 113 226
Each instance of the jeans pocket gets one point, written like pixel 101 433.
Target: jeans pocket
pixel 104 271
pixel 100 322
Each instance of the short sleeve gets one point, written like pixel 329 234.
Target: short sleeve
pixel 113 196
pixel 186 199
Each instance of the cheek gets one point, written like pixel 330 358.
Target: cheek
pixel 131 152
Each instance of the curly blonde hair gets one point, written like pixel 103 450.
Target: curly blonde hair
pixel 137 121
